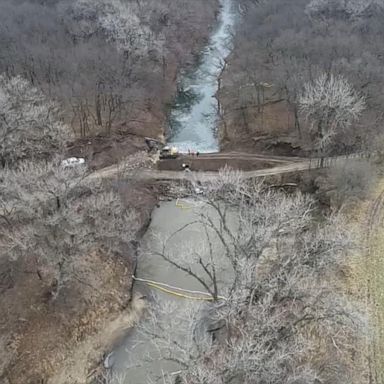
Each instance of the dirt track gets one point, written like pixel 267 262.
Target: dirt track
pixel 214 161
pixel 246 155
pixel 287 165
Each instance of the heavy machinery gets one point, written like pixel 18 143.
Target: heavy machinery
pixel 166 152
pixel 169 152
pixel 153 144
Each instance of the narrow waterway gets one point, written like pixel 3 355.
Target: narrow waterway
pixel 137 359
pixel 193 124
pixel 193 119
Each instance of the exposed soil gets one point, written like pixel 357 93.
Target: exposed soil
pixel 212 164
pixel 236 160
pixel 102 151
pixel 46 330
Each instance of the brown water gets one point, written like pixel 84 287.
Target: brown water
pixel 131 358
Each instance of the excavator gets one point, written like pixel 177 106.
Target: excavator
pixel 166 152
pixel 169 153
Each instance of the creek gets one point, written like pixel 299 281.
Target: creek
pixel 193 119
pixel 192 126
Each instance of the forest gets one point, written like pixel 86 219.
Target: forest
pixel 287 266
pixel 110 65
pixel 290 55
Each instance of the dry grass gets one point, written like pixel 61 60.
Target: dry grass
pixel 366 278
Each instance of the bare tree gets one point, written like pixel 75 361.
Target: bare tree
pixel 54 216
pixel 350 8
pixel 110 64
pixel 288 44
pixel 29 127
pixel 281 320
pixel 347 183
pixel 330 105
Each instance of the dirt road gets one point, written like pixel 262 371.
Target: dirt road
pixel 211 162
pixel 287 165
pixel 246 156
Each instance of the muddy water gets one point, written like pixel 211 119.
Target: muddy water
pixel 193 119
pixel 131 359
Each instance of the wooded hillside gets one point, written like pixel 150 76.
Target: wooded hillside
pixel 288 52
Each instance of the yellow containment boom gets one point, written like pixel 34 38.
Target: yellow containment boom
pixel 178 292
